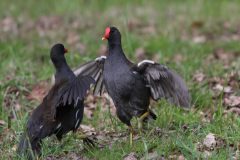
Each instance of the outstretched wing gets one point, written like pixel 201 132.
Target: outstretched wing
pixel 74 90
pixel 164 82
pixel 94 69
pixel 71 91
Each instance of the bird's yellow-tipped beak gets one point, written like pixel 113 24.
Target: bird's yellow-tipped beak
pixel 103 38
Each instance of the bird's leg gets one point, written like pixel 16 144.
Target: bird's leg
pixel 131 135
pixel 140 120
pixel 90 142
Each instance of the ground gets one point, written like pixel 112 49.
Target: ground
pixel 198 39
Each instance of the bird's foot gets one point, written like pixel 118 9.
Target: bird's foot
pixel 140 126
pixel 90 142
pixel 131 135
pixel 140 121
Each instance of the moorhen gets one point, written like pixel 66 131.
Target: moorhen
pixel 61 110
pixel 131 85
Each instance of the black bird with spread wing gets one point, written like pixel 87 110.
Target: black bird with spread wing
pixel 62 108
pixel 131 85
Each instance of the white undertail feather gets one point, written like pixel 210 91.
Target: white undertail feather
pixel 75 105
pixel 58 126
pixel 135 72
pixel 100 58
pixel 77 113
pixel 76 123
pixel 145 61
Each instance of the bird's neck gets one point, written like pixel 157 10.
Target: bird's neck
pixel 115 42
pixel 115 50
pixel 63 71
pixel 61 65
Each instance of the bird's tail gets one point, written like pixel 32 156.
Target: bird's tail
pixel 25 150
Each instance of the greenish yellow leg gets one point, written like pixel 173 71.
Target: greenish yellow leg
pixel 131 135
pixel 140 120
pixel 86 139
pixel 82 136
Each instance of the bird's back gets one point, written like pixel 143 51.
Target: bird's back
pixel 126 87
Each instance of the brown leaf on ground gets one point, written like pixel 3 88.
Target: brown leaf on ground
pixel 151 156
pixel 171 123
pixel 199 77
pixel 234 110
pixel 102 50
pixel 223 55
pixel 158 132
pixel 227 89
pixel 49 157
pixel 2 122
pixel 181 158
pixel 72 155
pixel 155 57
pixel 81 47
pixel 131 156
pixel 9 25
pixel 73 38
pixel 209 140
pixel 199 39
pixel 207 153
pixel 88 113
pixel 47 23
pixel 134 23
pixel 177 57
pixel 88 130
pixel 140 54
pixel 38 92
pixel 100 137
pixel 176 157
pixel 8 133
pixel 14 148
pixel 233 101
pixel 197 24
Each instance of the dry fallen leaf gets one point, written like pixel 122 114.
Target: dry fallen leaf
pixel 72 155
pixel 234 110
pixel 151 156
pixel 209 140
pixel 197 24
pixel 232 101
pixel 49 157
pixel 87 130
pixel 39 92
pixel 199 39
pixel 14 148
pixel 131 156
pixel 140 54
pixel 227 89
pixel 181 158
pixel 177 57
pixel 2 122
pixel 199 77
pixel 176 157
pixel 102 50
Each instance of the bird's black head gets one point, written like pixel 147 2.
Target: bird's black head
pixel 112 35
pixel 57 52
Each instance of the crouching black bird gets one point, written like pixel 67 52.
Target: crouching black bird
pixel 131 85
pixel 62 108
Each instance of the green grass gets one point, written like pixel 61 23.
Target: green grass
pixel 25 62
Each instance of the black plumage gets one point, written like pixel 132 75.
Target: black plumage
pixel 62 108
pixel 131 85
